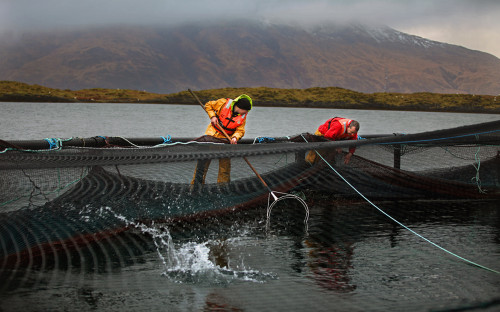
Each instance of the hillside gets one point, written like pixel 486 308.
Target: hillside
pixel 222 55
pixel 329 97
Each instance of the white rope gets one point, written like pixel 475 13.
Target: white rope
pixel 401 224
pixel 476 178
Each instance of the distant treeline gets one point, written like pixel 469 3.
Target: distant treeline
pixel 329 97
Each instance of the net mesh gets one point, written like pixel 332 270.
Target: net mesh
pixel 58 196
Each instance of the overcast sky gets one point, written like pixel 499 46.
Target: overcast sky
pixel 474 24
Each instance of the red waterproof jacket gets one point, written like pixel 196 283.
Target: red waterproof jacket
pixel 336 129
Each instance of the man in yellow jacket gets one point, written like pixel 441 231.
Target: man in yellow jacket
pixel 229 115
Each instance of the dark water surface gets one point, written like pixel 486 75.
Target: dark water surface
pixel 348 257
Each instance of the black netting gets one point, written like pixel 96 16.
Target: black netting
pixel 46 195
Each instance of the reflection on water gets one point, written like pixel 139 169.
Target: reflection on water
pixel 330 266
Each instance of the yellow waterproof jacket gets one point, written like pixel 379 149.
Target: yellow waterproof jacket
pixel 213 108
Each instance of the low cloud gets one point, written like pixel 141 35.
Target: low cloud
pixel 471 23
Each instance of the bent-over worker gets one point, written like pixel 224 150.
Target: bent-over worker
pixel 337 128
pixel 231 116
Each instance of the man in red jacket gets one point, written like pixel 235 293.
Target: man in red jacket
pixel 337 128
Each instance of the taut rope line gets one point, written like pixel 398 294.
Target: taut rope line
pixel 401 224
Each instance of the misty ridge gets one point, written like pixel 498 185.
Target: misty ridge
pixel 234 54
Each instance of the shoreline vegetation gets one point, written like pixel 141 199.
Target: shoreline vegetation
pixel 324 97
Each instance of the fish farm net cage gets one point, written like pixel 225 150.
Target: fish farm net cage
pixel 53 191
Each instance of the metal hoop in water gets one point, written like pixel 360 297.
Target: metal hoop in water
pixel 285 196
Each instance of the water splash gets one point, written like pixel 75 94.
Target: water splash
pixel 206 262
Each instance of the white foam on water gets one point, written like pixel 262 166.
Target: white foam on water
pixel 193 262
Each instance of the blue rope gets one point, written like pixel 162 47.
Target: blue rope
pixel 166 140
pixel 54 143
pixel 401 224
pixel 264 139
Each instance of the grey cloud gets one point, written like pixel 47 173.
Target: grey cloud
pixel 35 13
pixel 469 16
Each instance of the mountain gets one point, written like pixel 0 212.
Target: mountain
pixel 246 54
